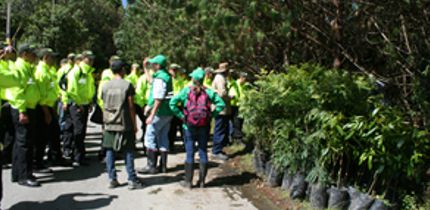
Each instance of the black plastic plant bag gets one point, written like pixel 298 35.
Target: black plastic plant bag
pixel 318 196
pixel 298 186
pixel 359 200
pixel 338 198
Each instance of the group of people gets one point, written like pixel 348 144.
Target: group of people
pixel 45 111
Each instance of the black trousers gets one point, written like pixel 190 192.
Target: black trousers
pixel 237 123
pixel 140 114
pixel 41 139
pixel 175 125
pixel 8 133
pixel 22 161
pixel 76 118
pixel 50 133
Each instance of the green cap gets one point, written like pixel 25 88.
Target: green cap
pixel 71 56
pixel 135 65
pixel 46 51
pixel 30 48
pixel 198 74
pixel 79 57
pixel 178 68
pixel 160 60
pixel 88 54
pixel 114 58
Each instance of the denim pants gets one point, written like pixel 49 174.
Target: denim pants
pixel 129 164
pixel 201 136
pixel 221 133
pixel 157 133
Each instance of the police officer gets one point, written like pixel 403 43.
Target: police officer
pixel 9 79
pixel 77 100
pixel 24 101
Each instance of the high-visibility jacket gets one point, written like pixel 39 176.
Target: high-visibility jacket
pixel 107 75
pixel 132 78
pixel 80 85
pixel 179 83
pixel 8 78
pixel 46 77
pixel 233 91
pixel 142 91
pixel 27 94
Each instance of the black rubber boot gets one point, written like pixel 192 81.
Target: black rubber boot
pixel 189 172
pixel 202 174
pixel 163 162
pixel 151 165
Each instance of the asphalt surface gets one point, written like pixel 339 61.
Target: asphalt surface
pixel 86 187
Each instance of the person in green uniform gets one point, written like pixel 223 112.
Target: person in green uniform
pixel 134 74
pixel 79 96
pixel 46 76
pixel 237 93
pixel 209 76
pixel 196 133
pixel 9 79
pixel 158 120
pixel 120 124
pixel 23 101
pixel 180 80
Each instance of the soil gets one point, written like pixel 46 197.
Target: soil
pixel 254 188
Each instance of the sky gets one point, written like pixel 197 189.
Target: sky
pixel 124 3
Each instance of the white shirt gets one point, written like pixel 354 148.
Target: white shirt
pixel 160 89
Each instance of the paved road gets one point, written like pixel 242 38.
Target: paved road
pixel 87 188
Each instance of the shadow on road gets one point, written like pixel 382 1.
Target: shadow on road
pixel 232 180
pixel 75 174
pixel 68 201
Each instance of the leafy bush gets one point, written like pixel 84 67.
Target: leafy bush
pixel 333 126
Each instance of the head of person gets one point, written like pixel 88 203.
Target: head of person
pixel 88 57
pixel 113 58
pixel 78 58
pixel 222 69
pixel 64 61
pixel 135 68
pixel 242 77
pixel 118 68
pixel 71 58
pixel 7 52
pixel 197 76
pixel 158 62
pixel 27 52
pixel 174 69
pixel 209 72
pixel 47 55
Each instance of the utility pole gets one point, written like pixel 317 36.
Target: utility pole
pixel 8 16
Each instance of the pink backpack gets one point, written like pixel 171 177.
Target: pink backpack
pixel 198 108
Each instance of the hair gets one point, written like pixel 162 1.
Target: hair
pixel 117 67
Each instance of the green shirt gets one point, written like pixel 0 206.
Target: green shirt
pixel 47 78
pixel 182 98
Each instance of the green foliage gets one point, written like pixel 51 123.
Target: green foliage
pixel 333 126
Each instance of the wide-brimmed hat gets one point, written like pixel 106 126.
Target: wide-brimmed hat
pixel 223 67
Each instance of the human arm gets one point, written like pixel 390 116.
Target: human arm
pixel 180 98
pixel 217 101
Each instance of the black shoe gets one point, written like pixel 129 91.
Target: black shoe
pixel 67 154
pixel 29 183
pixel 202 175
pixel 220 156
pixel 113 184
pixel 189 172
pixel 134 185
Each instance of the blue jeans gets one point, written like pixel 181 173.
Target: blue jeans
pixel 201 136
pixel 221 133
pixel 157 133
pixel 129 164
